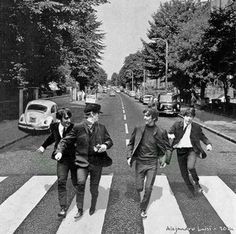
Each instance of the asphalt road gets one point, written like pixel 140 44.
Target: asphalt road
pixel 20 161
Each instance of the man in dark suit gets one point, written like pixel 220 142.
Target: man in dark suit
pixel 92 139
pixel 186 137
pixel 148 144
pixel 66 163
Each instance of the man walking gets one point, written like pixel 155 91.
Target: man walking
pixel 186 137
pixel 147 145
pixel 66 163
pixel 92 139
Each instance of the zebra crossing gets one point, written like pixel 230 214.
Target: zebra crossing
pixel 164 213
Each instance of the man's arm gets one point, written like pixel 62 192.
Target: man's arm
pixel 130 145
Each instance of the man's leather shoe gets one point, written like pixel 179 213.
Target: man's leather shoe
pixel 62 213
pixel 79 214
pixel 91 211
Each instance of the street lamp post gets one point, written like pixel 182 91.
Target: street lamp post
pixel 166 69
pixel 132 76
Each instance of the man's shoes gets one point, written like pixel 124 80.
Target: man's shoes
pixel 198 188
pixel 143 214
pixel 79 214
pixel 91 211
pixel 62 213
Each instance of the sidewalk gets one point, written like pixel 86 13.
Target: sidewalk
pixel 222 126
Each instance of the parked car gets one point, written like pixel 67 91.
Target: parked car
pixel 132 93
pixel 146 98
pixel 112 93
pixel 169 103
pixel 38 115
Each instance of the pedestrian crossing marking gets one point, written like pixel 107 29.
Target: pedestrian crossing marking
pixel 15 209
pixel 2 178
pixel 222 199
pixel 88 224
pixel 163 212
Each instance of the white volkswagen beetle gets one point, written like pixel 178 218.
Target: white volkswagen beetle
pixel 39 114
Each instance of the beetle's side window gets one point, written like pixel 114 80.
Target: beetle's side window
pixel 53 109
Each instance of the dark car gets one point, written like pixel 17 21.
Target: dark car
pixel 169 103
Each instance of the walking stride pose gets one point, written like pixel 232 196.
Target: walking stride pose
pixel 92 140
pixel 186 137
pixel 66 163
pixel 148 144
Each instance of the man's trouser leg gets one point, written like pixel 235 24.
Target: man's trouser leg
pixel 182 155
pixel 95 176
pixel 82 174
pixel 62 174
pixel 192 157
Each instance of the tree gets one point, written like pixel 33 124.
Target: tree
pixel 219 45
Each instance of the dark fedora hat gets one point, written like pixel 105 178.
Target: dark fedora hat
pixel 92 107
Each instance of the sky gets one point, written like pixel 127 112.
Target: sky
pixel 124 22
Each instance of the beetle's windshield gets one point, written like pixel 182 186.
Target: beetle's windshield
pixel 37 107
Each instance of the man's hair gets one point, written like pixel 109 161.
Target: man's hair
pixel 63 112
pixel 151 111
pixel 189 112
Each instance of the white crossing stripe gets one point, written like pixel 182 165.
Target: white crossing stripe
pixel 88 224
pixel 15 209
pixel 222 199
pixel 163 214
pixel 2 178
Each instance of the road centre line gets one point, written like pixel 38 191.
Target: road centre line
pixel 16 207
pixel 126 128
pixel 124 117
pixel 69 225
pixel 127 141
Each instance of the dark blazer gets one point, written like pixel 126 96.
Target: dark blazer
pixel 56 137
pixel 136 136
pixel 196 136
pixel 80 136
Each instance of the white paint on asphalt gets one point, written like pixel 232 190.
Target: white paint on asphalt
pixel 222 199
pixel 2 178
pixel 127 142
pixel 88 224
pixel 126 128
pixel 16 208
pixel 124 117
pixel 163 211
pixel 123 111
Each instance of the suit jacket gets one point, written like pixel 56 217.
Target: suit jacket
pixel 80 136
pixel 196 135
pixel 56 137
pixel 161 140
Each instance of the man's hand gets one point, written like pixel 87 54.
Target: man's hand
pixel 162 161
pixel 102 148
pixel 58 156
pixel 129 161
pixel 209 147
pixel 41 149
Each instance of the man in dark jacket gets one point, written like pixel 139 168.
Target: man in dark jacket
pixel 186 137
pixel 66 163
pixel 92 139
pixel 147 145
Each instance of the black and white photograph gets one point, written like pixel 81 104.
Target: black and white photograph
pixel 117 117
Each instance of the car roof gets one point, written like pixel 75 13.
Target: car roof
pixel 42 102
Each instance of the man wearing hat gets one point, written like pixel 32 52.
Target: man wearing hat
pixel 91 139
pixel 186 137
pixel 148 144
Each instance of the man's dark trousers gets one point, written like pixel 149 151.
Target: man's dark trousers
pixel 149 171
pixel 95 173
pixel 182 155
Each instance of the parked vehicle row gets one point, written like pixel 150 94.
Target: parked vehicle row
pixel 166 102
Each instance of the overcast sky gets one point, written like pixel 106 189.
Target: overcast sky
pixel 125 22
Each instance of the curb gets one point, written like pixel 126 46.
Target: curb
pixel 12 142
pixel 215 131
